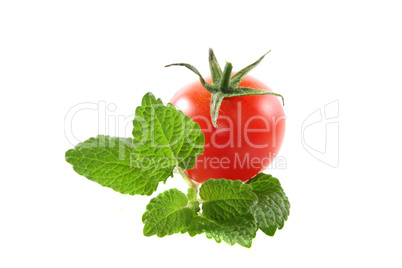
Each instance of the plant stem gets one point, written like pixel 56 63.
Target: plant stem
pixel 201 201
pixel 187 179
pixel 225 80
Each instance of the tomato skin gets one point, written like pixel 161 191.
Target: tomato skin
pixel 249 134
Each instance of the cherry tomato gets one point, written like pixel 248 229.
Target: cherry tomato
pixel 248 137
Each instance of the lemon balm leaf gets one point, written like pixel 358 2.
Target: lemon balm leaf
pixel 167 214
pixel 241 229
pixel 109 162
pixel 272 209
pixel 163 138
pixel 225 199
pixel 226 212
pixel 165 135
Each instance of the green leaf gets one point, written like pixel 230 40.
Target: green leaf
pixel 109 162
pixel 272 209
pixel 193 203
pixel 167 214
pixel 165 137
pixel 241 229
pixel 225 199
pixel 226 212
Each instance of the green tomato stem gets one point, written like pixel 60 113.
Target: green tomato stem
pixel 186 178
pixel 225 80
pixel 224 84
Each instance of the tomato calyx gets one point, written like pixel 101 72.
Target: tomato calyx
pixel 224 85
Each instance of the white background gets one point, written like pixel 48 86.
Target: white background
pixel 57 54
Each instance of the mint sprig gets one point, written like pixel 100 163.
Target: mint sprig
pixel 165 139
pixel 233 211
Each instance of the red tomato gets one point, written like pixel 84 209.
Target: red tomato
pixel 249 134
